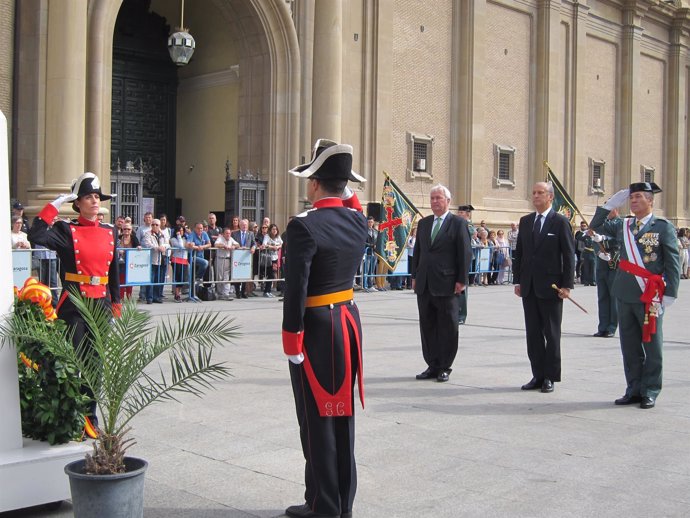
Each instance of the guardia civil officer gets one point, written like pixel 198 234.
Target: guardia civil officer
pixel 465 212
pixel 87 251
pixel 608 255
pixel 645 287
pixel 322 335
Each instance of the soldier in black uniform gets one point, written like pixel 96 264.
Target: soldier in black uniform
pixel 322 334
pixel 87 251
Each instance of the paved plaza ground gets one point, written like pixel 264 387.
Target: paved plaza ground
pixel 476 446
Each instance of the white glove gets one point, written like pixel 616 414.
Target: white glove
pixel 597 238
pixel 63 198
pixel 347 193
pixel 667 301
pixel 296 358
pixel 603 255
pixel 617 199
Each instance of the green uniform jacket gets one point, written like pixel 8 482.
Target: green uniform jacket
pixel 658 246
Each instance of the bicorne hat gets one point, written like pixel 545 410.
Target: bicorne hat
pixel 644 187
pixel 466 208
pixel 88 183
pixel 329 160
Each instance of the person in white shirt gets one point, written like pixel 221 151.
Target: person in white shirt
pixel 225 244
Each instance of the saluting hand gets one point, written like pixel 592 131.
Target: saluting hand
pixel 617 200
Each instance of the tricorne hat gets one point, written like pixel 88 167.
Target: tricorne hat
pixel 88 183
pixel 329 160
pixel 644 187
pixel 466 208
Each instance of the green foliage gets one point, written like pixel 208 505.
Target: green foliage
pixel 52 407
pixel 121 364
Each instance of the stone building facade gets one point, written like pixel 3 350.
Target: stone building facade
pixel 475 94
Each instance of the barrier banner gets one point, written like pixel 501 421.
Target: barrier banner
pixel 401 267
pixel 137 266
pixel 484 260
pixel 21 266
pixel 241 269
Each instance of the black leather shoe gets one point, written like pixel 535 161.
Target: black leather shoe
pixel 600 334
pixel 647 402
pixel 428 374
pixel 609 335
pixel 443 376
pixel 461 322
pixel 547 386
pixel 627 400
pixel 532 384
pixel 303 511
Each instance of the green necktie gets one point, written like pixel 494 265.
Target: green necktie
pixel 434 231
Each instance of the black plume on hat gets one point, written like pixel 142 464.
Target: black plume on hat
pixel 329 160
pixel 645 187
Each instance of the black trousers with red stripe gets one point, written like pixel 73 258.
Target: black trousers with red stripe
pixel 330 472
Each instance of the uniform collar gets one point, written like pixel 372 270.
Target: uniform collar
pixel 324 203
pixel 87 222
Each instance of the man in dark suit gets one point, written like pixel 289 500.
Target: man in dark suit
pixel 645 286
pixel 246 240
pixel 441 263
pixel 322 332
pixel 543 258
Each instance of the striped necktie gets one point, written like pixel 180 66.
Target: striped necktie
pixel 437 227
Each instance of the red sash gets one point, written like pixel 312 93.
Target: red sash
pixel 654 288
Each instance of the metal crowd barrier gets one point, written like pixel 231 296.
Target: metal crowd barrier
pixel 45 265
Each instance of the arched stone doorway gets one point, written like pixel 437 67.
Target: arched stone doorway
pixel 263 134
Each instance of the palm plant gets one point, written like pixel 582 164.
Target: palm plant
pixel 117 359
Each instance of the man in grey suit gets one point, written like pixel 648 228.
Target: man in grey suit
pixel 245 238
pixel 645 286
pixel 543 258
pixel 440 267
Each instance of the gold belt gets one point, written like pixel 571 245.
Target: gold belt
pixel 86 279
pixel 329 298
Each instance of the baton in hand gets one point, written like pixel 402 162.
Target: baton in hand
pixel 569 298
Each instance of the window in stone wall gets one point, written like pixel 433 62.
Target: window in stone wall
pixel 597 167
pixel 420 154
pixel 647 173
pixel 504 165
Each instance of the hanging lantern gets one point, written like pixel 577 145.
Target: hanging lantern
pixel 181 47
pixel 181 44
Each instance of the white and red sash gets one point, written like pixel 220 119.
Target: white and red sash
pixel 651 285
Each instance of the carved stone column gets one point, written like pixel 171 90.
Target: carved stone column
pixel 327 70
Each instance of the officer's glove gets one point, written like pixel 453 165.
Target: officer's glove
pixel 604 256
pixel 63 198
pixel 667 301
pixel 347 193
pixel 296 358
pixel 617 199
pixel 597 238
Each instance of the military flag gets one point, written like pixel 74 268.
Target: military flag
pixel 397 218
pixel 562 202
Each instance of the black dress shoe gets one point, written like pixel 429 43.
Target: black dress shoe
pixel 443 376
pixel 428 374
pixel 304 511
pixel 461 322
pixel 627 400
pixel 609 334
pixel 600 334
pixel 647 402
pixel 547 386
pixel 532 384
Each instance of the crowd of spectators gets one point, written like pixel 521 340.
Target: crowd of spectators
pixel 198 259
